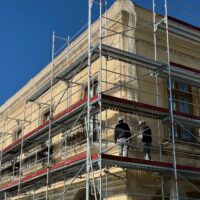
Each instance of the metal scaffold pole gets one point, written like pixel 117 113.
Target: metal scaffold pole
pixel 106 88
pixel 157 90
pixel 21 151
pixel 51 115
pixel 2 142
pixel 171 102
pixel 76 161
pixel 100 102
pixel 90 2
pixel 154 31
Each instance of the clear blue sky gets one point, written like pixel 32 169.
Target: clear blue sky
pixel 26 28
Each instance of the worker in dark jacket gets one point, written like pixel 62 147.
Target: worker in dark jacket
pixel 122 133
pixel 146 139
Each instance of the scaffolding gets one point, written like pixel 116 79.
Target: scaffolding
pixel 72 149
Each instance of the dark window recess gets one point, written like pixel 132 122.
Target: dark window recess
pixel 185 134
pixel 182 97
pixel 94 128
pixel 18 134
pixel 11 170
pixel 46 116
pixel 182 102
pixel 16 168
pixel 94 120
pixel 29 162
pixel 77 136
pixel 43 155
pixel 41 158
pixel 93 89
pixel 44 152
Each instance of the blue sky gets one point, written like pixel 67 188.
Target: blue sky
pixel 26 28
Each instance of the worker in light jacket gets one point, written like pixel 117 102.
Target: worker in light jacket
pixel 122 133
pixel 146 139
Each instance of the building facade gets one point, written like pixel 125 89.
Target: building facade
pixel 53 139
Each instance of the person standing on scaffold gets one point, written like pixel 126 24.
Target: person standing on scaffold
pixel 121 134
pixel 146 139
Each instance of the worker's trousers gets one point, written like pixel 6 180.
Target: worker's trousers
pixel 147 150
pixel 123 147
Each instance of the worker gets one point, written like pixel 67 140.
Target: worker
pixel 146 139
pixel 122 133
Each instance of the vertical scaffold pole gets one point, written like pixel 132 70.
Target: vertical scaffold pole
pixel 171 102
pixel 2 142
pixel 51 114
pixel 106 88
pixel 90 2
pixel 68 90
pixel 154 30
pixel 157 90
pixel 34 192
pixel 100 101
pixel 106 67
pixel 21 151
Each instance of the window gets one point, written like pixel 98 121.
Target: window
pixel 29 162
pixel 182 102
pixel 46 116
pixel 185 133
pixel 94 119
pixel 43 155
pixel 17 134
pixel 7 171
pixel 94 127
pixel 93 89
pixel 182 97
pixel 77 136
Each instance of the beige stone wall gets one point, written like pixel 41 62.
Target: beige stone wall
pixel 143 89
pixel 181 51
pixel 35 111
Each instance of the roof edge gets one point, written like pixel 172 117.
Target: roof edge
pixel 196 28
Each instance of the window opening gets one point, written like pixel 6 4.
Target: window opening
pixel 46 116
